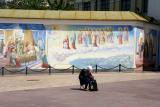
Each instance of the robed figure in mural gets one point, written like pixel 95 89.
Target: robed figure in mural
pixel 102 37
pixel 109 35
pixel 85 39
pixel 141 45
pixel 94 38
pixel 44 60
pixel 120 36
pixel 14 59
pixel 89 33
pixel 2 46
pixel 126 35
pixel 73 40
pixel 66 43
pixel 20 48
pixel 80 37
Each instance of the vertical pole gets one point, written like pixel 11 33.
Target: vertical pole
pixel 73 69
pixel 120 67
pixel 96 67
pixel 2 71
pixel 50 70
pixel 26 70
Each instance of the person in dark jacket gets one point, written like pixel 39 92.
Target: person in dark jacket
pixel 82 77
pixel 85 77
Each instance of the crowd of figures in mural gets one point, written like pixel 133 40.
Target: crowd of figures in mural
pixel 38 46
pixel 90 45
pixel 95 37
pixel 20 47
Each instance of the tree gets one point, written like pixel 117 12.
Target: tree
pixel 41 4
pixel 28 4
pixel 2 4
pixel 60 4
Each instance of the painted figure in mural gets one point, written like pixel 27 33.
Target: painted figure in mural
pixel 2 46
pixel 120 36
pixel 110 35
pixel 106 35
pixel 85 39
pixel 5 53
pixel 94 38
pixel 66 43
pixel 20 48
pixel 102 37
pixel 31 48
pixel 14 59
pixel 80 37
pixel 44 60
pixel 90 36
pixel 141 45
pixel 73 40
pixel 16 44
pixel 11 47
pixel 98 36
pixel 40 48
pixel 26 49
pixel 126 35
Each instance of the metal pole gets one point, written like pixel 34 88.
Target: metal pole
pixel 120 67
pixel 96 67
pixel 2 71
pixel 50 70
pixel 73 69
pixel 26 70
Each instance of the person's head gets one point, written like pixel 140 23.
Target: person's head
pixel 90 68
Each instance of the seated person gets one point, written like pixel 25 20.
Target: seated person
pixel 85 77
pixel 82 77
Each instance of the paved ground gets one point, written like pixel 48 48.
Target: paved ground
pixel 62 90
pixel 137 93
pixel 22 82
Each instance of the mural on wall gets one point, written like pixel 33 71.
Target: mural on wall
pixel 150 49
pixel 37 45
pixel 22 45
pixel 139 48
pixel 80 45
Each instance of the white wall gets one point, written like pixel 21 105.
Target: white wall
pixel 154 8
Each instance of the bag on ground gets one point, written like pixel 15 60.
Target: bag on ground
pixel 93 85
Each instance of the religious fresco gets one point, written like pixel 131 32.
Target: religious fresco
pixel 82 45
pixel 139 48
pixel 37 46
pixel 22 45
pixel 61 46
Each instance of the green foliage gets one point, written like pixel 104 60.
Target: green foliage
pixel 61 4
pixel 27 4
pixel 2 5
pixel 40 4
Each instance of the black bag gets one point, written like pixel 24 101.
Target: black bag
pixel 93 85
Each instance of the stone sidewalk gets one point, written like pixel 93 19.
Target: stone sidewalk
pixel 21 82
